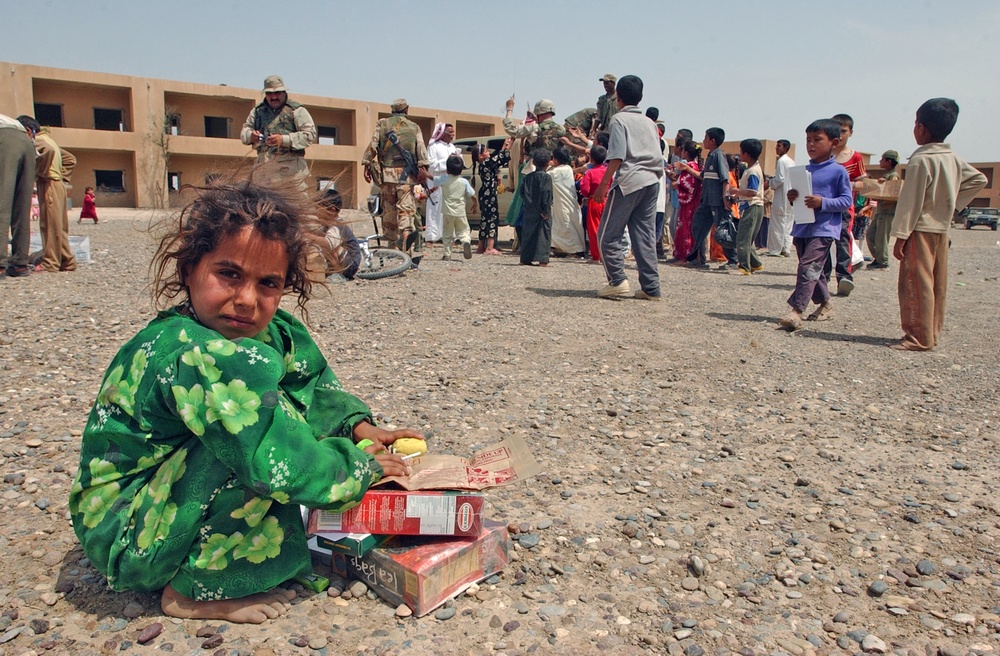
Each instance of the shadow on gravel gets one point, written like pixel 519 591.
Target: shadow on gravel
pixel 871 340
pixel 565 293
pixel 752 318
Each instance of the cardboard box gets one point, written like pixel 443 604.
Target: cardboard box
pixel 400 512
pixel 501 464
pixel 423 573
pixel 881 190
pixel 350 544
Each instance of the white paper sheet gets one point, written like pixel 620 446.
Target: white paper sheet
pixel 800 180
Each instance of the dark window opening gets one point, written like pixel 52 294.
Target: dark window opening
pixel 217 127
pixel 327 135
pixel 173 125
pixel 109 119
pixel 48 114
pixel 110 181
pixel 173 181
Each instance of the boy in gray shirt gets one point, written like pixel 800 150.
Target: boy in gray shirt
pixel 633 175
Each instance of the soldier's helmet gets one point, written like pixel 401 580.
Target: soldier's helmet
pixel 544 106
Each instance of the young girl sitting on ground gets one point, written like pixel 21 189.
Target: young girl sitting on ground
pixel 221 416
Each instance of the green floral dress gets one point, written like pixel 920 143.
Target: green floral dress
pixel 199 450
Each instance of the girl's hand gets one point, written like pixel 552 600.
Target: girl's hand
pixel 392 465
pixel 381 438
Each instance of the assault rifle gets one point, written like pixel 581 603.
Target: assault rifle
pixel 411 167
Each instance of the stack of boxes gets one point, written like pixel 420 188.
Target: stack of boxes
pixel 418 546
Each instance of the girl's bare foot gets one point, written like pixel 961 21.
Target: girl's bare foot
pixel 254 609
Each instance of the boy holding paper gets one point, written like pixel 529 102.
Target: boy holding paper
pixel 830 197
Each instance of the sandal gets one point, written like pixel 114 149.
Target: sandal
pixel 822 313
pixel 791 321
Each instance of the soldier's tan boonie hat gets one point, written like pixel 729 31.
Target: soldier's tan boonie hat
pixel 274 83
pixel 398 105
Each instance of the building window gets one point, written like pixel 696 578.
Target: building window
pixel 173 181
pixel 217 127
pixel 110 181
pixel 327 135
pixel 322 184
pixel 109 119
pixel 48 114
pixel 173 124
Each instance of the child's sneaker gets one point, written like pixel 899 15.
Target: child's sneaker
pixel 621 289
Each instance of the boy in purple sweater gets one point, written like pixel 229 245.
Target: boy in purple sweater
pixel 831 196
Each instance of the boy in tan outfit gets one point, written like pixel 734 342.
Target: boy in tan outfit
pixel 937 183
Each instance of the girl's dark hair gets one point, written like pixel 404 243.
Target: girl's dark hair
pixel 691 149
pixel 278 211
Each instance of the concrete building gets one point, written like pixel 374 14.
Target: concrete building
pixel 138 140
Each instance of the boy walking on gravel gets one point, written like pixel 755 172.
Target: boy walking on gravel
pixel 937 184
pixel 830 198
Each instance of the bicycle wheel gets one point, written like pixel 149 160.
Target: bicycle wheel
pixel 385 263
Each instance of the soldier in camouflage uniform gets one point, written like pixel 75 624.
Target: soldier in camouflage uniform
pixel 544 133
pixel 280 130
pixel 384 163
pixel 607 105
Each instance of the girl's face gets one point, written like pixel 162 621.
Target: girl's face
pixel 235 289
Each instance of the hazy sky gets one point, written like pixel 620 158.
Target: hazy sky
pixel 757 69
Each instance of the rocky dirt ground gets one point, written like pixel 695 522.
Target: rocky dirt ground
pixel 710 485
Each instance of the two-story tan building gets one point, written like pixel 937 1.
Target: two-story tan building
pixel 138 140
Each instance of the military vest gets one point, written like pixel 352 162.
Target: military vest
pixel 268 121
pixel 406 130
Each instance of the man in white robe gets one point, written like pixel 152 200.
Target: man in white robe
pixel 438 151
pixel 779 234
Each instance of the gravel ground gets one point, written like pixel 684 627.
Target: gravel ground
pixel 710 485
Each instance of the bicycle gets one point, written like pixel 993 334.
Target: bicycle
pixel 378 263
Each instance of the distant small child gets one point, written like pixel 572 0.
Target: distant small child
pixel 346 250
pixel 536 233
pixel 854 164
pixel 830 198
pixel 751 196
pixel 89 210
pixel 937 184
pixel 454 191
pixel 588 185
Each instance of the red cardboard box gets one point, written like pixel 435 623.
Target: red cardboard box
pixel 399 512
pixel 423 573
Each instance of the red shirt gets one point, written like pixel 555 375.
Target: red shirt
pixel 855 166
pixel 591 179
